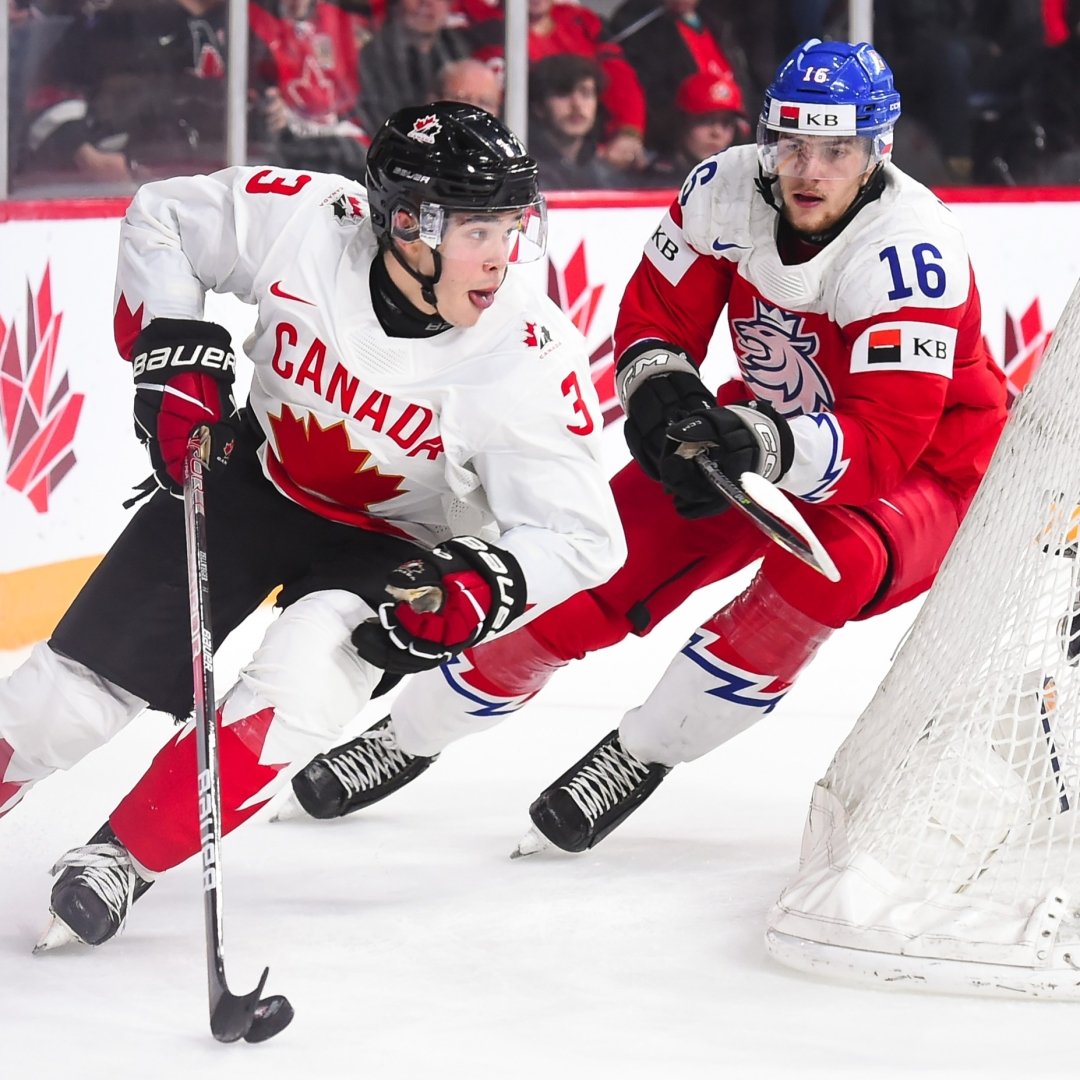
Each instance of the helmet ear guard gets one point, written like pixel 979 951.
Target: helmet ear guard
pixel 408 233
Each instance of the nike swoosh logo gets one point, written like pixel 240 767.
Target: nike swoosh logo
pixel 717 246
pixel 278 291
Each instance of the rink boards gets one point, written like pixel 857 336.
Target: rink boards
pixel 67 454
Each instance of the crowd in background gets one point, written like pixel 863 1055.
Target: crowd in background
pixel 622 93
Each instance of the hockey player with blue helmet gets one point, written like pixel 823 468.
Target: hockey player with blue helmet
pixel 864 391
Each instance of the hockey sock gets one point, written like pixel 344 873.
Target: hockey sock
pixel 11 789
pixel 763 632
pixel 735 668
pixel 158 821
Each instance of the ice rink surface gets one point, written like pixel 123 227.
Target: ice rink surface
pixel 412 947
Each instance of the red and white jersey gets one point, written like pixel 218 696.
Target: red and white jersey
pixel 493 427
pixel 872 348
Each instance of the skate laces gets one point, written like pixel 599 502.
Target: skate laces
pixel 610 777
pixel 370 760
pixel 104 868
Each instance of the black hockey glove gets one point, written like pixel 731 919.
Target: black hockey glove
pixel 445 600
pixel 183 371
pixel 740 438
pixel 656 383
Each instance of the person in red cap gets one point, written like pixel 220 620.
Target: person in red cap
pixel 710 118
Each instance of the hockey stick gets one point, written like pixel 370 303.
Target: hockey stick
pixel 768 508
pixel 232 1016
pixel 1047 698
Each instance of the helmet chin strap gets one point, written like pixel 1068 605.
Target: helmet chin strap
pixel 426 282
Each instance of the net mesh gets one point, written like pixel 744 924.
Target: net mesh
pixel 957 792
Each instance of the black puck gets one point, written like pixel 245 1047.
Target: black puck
pixel 271 1015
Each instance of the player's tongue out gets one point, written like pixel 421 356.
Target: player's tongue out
pixel 482 298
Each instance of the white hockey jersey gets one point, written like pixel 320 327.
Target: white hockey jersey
pixel 493 427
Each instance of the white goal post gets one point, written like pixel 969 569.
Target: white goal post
pixel 942 849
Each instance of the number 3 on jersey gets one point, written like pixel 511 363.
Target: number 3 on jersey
pixel 264 182
pixel 572 390
pixel 929 275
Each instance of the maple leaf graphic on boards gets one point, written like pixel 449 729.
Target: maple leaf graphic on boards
pixel 1026 340
pixel 321 461
pixel 38 411
pixel 569 287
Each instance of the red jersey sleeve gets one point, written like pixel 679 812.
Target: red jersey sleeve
pixel 676 294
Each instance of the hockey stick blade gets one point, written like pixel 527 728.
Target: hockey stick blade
pixel 771 511
pixel 249 1016
pixel 232 1016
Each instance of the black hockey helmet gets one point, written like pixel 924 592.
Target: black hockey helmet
pixel 451 155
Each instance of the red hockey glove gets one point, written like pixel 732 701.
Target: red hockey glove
pixel 183 371
pixel 752 437
pixel 446 600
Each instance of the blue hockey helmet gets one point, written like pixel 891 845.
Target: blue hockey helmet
pixel 831 88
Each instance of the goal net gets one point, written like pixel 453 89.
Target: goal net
pixel 942 849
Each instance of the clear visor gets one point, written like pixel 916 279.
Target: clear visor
pixel 514 234
pixel 820 157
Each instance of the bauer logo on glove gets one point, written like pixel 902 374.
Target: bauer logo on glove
pixel 443 602
pixel 183 370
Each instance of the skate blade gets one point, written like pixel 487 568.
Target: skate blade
pixel 532 843
pixel 57 935
pixel 289 809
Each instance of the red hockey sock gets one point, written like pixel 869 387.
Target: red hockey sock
pixel 763 633
pixel 158 821
pixel 9 789
pixel 512 666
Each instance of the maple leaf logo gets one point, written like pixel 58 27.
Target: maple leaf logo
pixel 536 336
pixel 425 128
pixel 38 411
pixel 1026 342
pixel 570 289
pixel 348 209
pixel 321 462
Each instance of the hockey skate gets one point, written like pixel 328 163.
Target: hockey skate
pixel 590 799
pixel 353 775
pixel 90 899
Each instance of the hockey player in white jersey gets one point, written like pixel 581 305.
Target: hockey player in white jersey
pixel 416 409
pixel 864 391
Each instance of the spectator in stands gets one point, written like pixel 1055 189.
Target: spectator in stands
pixel 305 90
pixel 556 28
pixel 710 118
pixel 668 41
pixel 471 12
pixel 968 72
pixel 471 81
pixel 931 56
pixel 565 123
pixel 341 29
pixel 1059 92
pixel 805 19
pixel 398 65
pixel 140 81
pixel 32 36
